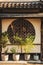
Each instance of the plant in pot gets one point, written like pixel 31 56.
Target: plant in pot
pixel 20 42
pixel 5 55
pixel 36 57
pixel 28 47
pixel 4 41
pixel 27 43
pixel 15 55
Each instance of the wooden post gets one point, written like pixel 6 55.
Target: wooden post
pixel 42 39
pixel 0 37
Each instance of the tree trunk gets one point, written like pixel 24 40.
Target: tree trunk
pixel 21 48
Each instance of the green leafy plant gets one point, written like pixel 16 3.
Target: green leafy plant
pixel 15 56
pixel 27 42
pixel 6 51
pixel 13 50
pixel 4 39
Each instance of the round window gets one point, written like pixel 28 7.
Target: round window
pixel 20 27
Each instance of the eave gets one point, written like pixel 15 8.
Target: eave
pixel 21 9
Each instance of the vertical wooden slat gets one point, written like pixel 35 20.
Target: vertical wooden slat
pixel 0 37
pixel 42 40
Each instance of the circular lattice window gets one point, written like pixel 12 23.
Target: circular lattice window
pixel 20 27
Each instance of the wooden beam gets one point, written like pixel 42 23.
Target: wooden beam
pixel 0 37
pixel 21 15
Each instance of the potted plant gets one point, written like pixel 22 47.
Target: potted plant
pixel 27 43
pixel 19 40
pixel 36 57
pixel 5 55
pixel 15 55
pixel 28 46
pixel 4 41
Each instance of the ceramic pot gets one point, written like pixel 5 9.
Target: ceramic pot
pixel 4 57
pixel 36 57
pixel 27 57
pixel 16 57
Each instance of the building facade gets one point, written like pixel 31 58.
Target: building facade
pixel 23 17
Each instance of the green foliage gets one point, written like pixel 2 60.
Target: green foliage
pixel 4 39
pixel 13 50
pixel 6 50
pixel 27 42
pixel 28 47
pixel 24 41
pixel 17 39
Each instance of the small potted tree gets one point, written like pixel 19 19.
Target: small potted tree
pixel 28 46
pixel 26 42
pixel 4 41
pixel 15 55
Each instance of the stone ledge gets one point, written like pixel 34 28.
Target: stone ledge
pixel 13 61
pixel 23 62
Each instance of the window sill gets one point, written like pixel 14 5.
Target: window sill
pixel 23 62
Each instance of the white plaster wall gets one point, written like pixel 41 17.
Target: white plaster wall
pixel 6 23
pixel 37 25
